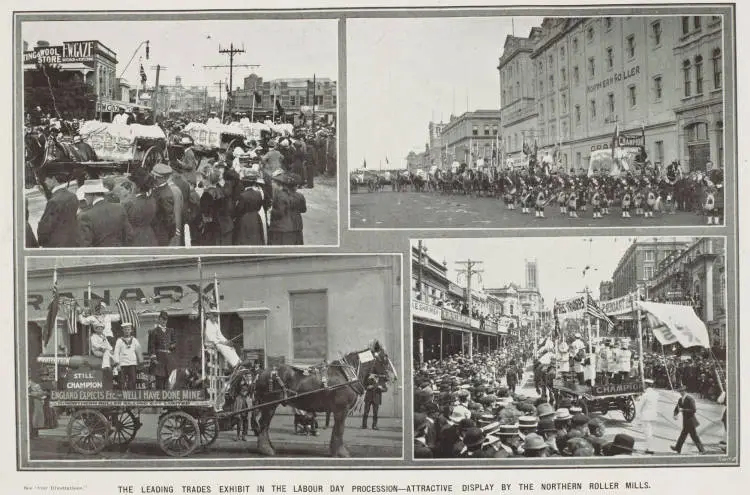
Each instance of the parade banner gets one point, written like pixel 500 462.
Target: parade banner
pixel 672 323
pixel 617 388
pixel 456 317
pixel 572 305
pixel 426 311
pixel 125 397
pixel 618 306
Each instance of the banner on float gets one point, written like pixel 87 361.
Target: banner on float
pixel 571 305
pixel 619 305
pixel 673 323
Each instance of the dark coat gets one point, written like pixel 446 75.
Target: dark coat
pixel 105 224
pixel 248 227
pixel 163 224
pixel 299 206
pixel 162 345
pixel 687 403
pixel 141 211
pixel 87 152
pixel 374 389
pixel 210 207
pixel 58 226
pixel 281 230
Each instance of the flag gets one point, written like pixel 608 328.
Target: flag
pixel 279 108
pixel 51 322
pixel 143 75
pixel 70 312
pixel 557 322
pixel 127 315
pixel 615 138
pixel 364 163
pixel 258 98
pixel 526 148
pixel 386 161
pixel 593 310
pixel 674 323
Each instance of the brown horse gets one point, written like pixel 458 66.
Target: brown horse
pixel 338 393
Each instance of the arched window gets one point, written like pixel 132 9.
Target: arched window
pixel 686 76
pixel 698 74
pixel 716 56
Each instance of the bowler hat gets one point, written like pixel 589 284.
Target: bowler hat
pixel 545 409
pixel 622 444
pixel 580 420
pixel 473 437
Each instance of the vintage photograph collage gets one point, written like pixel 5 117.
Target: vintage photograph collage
pixel 410 238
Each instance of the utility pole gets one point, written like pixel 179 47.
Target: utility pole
pixel 470 270
pixel 157 90
pixel 220 84
pixel 231 51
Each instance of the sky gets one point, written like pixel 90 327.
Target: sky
pixel 560 261
pixel 282 48
pixel 402 73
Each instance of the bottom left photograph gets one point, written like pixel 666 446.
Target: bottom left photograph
pixel 216 357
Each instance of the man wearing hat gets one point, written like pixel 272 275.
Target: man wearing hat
pixel 646 412
pixel 621 445
pixel 101 348
pixel 165 226
pixel 527 424
pixel 473 440
pixel 58 226
pixel 534 446
pixel 686 406
pixel 285 225
pixel 87 152
pixel 577 351
pixel 510 440
pixel 189 162
pixel 421 448
pixel 624 363
pixel 449 438
pixel 103 224
pixel 162 342
pixel 121 118
pixel 273 160
pixel 212 119
pixel 546 429
pixel 214 337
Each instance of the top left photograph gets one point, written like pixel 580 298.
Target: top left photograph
pixel 178 133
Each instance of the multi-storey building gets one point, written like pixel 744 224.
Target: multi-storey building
pixel 291 94
pixel 477 131
pixel 639 264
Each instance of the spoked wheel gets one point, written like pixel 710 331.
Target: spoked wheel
pixel 88 431
pixel 178 434
pixel 628 408
pixel 125 425
pixel 209 428
pixel 237 142
pixel 153 155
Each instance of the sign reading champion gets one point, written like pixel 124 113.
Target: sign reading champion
pixel 616 77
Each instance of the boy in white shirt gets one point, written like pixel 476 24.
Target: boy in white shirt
pixel 128 355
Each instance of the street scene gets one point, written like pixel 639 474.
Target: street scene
pixel 553 122
pixel 128 143
pixel 569 347
pixel 167 357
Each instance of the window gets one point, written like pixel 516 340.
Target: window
pixel 541 67
pixel 685 25
pixel 518 89
pixel 578 115
pixel 475 131
pixel 717 68
pixel 656 33
pixel 503 100
pixel 541 87
pixel 657 88
pixel 541 109
pixel 564 103
pixel 592 109
pixel 551 83
pixel 699 75
pixel 632 95
pixel 494 130
pixel 309 326
pixel 630 40
pixel 575 45
pixel 592 67
pixel 659 154
pixel 720 141
pixel 608 23
pixel 611 104
pixel 648 272
pixel 562 52
pixel 563 76
pixel 550 61
pixel 610 58
pixel 648 255
pixel 578 160
pixel 697 22
pixel 564 129
pixel 292 100
pixel 686 76
pixel 576 75
pixel 487 130
pixel 552 105
pixel 697 132
pixel 590 34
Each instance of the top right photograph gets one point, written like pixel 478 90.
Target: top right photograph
pixel 538 122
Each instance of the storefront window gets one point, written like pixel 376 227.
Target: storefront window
pixel 309 326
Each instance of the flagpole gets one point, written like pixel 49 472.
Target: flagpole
pixel 202 316
pixel 54 321
pixel 216 297
pixel 88 327
pixel 640 340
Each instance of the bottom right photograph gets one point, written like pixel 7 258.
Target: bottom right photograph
pixel 570 347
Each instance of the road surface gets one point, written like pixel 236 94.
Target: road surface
pixel 386 442
pixel 428 210
pixel 320 221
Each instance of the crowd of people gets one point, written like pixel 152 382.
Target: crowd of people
pixel 697 373
pixel 246 196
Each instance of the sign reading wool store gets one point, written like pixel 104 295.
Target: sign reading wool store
pixel 614 78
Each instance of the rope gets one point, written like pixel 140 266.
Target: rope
pixel 51 93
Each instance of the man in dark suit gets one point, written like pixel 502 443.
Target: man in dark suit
pixel 103 224
pixel 162 343
pixel 58 226
pixel 374 389
pixel 686 406
pixel 164 224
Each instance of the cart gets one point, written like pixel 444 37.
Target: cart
pixel 601 398
pixel 210 140
pixel 364 178
pixel 122 148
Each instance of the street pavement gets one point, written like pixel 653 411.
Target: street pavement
pixel 387 441
pixel 666 429
pixel 320 222
pixel 434 210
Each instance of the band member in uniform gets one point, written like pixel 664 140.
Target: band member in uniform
pixel 162 343
pixel 686 406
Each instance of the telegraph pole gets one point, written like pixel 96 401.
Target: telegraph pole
pixel 231 51
pixel 157 90
pixel 220 84
pixel 470 270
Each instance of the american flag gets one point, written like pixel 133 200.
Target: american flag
pixel 127 315
pixel 593 310
pixel 51 323
pixel 70 311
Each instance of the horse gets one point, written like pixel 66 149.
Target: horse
pixel 336 388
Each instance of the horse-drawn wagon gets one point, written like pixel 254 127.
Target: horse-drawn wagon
pixel 600 398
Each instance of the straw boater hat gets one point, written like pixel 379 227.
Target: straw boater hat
pixel 94 188
pixel 508 430
pixel 525 422
pixel 562 414
pixel 575 410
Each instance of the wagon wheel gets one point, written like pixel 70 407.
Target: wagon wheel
pixel 209 428
pixel 235 143
pixel 124 427
pixel 153 155
pixel 628 408
pixel 178 434
pixel 88 431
